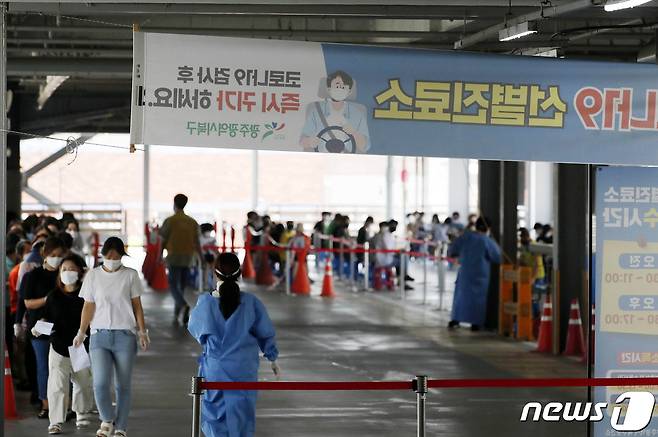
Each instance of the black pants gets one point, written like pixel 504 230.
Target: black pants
pixel 31 367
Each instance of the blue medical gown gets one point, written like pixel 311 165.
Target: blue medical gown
pixel 476 253
pixel 231 353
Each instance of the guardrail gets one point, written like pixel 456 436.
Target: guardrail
pixel 420 385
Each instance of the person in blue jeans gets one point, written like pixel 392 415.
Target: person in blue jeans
pixel 34 288
pixel 113 310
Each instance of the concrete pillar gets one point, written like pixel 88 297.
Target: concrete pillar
pixel 389 187
pixel 489 192
pixel 458 187
pixel 146 190
pixel 540 189
pixel 509 201
pixel 14 189
pixel 570 245
pixel 3 191
pixel 254 180
pixel 426 185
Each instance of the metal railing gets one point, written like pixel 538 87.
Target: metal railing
pixel 420 385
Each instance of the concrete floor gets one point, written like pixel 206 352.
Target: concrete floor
pixel 355 337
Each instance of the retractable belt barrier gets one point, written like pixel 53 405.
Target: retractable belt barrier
pixel 346 254
pixel 359 249
pixel 420 385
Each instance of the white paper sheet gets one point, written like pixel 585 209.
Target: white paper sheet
pixel 44 328
pixel 79 358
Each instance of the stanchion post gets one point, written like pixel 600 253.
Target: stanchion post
pixel 289 255
pixel 424 259
pixel 421 389
pixel 403 273
pixel 366 265
pixel 196 394
pixel 341 259
pixel 442 277
pixel 352 269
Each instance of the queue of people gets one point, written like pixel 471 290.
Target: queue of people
pixel 332 234
pixel 62 312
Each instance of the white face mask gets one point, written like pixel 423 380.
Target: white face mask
pixel 112 264
pixel 54 261
pixel 339 94
pixel 69 277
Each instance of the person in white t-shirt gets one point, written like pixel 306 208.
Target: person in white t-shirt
pixel 113 310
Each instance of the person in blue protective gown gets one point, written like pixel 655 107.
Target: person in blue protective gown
pixel 476 252
pixel 232 326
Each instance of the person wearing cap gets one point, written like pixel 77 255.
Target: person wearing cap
pixel 113 310
pixel 231 326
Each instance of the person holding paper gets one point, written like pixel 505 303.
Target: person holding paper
pixel 232 327
pixel 34 289
pixel 63 309
pixel 113 309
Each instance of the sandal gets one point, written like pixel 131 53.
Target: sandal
pixel 119 433
pixel 105 429
pixel 55 429
pixel 82 423
pixel 43 414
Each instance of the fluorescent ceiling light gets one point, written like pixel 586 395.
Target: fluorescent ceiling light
pixel 612 6
pixel 518 31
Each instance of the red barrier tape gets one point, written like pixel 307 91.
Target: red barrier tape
pixel 345 251
pixel 435 383
pixel 542 382
pixel 308 386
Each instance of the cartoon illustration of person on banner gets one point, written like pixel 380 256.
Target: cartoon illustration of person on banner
pixel 336 124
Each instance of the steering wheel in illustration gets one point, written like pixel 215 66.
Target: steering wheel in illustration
pixel 336 140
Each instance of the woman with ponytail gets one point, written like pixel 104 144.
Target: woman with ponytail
pixel 231 326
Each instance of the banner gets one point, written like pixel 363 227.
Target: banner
pixel 212 91
pixel 626 287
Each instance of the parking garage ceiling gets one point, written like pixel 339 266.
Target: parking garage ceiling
pixel 92 42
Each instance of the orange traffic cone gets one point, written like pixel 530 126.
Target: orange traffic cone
pixel 264 274
pixel 159 280
pixel 151 257
pixel 10 399
pixel 301 285
pixel 545 338
pixel 575 340
pixel 328 281
pixel 248 271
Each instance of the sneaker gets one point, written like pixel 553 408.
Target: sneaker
pixel 453 324
pixel 409 278
pixel 105 430
pixel 408 287
pixel 70 415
